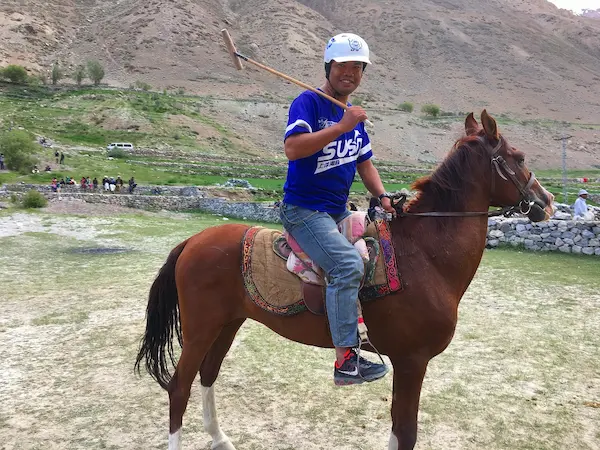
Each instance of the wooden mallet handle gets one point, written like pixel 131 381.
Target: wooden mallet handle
pixel 235 56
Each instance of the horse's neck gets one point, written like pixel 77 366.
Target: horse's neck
pixel 452 246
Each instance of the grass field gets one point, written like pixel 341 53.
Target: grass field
pixel 521 373
pixel 84 120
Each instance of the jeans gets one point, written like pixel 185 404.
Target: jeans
pixel 317 233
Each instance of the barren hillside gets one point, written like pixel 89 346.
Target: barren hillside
pixel 523 58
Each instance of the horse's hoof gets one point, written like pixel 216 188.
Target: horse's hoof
pixel 223 445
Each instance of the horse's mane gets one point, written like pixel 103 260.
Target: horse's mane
pixel 449 185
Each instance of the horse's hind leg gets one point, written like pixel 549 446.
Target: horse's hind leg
pixel 208 374
pixel 194 351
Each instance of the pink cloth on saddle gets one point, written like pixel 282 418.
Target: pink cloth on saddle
pixel 352 227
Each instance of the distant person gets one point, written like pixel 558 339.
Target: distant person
pixel 62 158
pixel 35 169
pixel 113 184
pixel 132 185
pixel 119 183
pixel 105 183
pixel 48 168
pixel 56 155
pixel 1 161
pixel 580 207
pixel 95 183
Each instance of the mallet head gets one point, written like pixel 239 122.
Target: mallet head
pixel 231 48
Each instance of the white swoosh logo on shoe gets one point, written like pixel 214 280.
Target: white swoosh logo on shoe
pixel 350 373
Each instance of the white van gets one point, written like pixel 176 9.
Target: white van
pixel 121 145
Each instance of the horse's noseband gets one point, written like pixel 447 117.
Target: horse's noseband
pixel 502 168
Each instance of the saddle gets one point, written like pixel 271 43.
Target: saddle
pixel 299 263
pixel 267 254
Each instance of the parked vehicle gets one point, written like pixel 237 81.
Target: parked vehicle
pixel 121 145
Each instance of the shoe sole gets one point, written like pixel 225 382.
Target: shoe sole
pixel 351 381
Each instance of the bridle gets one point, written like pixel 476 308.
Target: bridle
pixel 502 168
pixel 500 164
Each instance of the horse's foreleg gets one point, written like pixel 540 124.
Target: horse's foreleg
pixel 208 374
pixel 408 379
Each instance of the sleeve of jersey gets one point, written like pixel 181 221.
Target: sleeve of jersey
pixel 302 116
pixel 365 151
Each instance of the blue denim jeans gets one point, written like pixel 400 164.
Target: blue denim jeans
pixel 317 233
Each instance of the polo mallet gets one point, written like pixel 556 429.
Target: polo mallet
pixel 235 57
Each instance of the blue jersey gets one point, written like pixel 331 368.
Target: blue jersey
pixel 322 181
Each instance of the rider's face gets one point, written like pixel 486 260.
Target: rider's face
pixel 345 77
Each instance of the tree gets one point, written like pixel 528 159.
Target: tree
pixel 19 150
pixel 56 73
pixel 16 74
pixel 95 71
pixel 79 74
pixel 431 110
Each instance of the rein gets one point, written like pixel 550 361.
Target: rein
pixel 500 165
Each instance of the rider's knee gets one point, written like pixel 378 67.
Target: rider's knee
pixel 351 267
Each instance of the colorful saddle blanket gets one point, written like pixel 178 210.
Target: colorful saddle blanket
pixel 274 288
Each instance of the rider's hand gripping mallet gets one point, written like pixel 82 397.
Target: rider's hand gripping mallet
pixel 235 57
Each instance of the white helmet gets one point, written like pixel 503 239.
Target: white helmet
pixel 346 47
pixel 583 192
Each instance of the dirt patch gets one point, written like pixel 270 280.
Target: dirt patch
pixel 68 205
pixel 69 333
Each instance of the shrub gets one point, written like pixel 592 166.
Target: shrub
pixel 142 85
pixel 15 74
pixel 79 74
pixel 117 153
pixel 56 74
pixel 95 71
pixel 431 110
pixel 357 101
pixel 406 106
pixel 33 199
pixel 18 149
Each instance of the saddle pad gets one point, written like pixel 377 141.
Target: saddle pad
pixel 272 287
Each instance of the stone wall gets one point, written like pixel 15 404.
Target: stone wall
pixel 567 236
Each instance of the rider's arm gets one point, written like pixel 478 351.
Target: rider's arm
pixel 370 177
pixel 301 145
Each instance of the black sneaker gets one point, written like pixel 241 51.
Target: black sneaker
pixel 351 372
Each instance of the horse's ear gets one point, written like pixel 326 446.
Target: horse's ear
pixel 489 125
pixel 471 125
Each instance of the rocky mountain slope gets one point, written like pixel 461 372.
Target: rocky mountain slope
pixel 522 58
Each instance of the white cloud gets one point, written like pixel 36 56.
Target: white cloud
pixel 577 5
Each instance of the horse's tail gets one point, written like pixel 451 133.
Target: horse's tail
pixel 162 318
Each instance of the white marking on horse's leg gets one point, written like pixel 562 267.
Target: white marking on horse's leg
pixel 393 444
pixel 220 441
pixel 175 440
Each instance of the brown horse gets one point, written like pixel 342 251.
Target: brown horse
pixel 199 293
